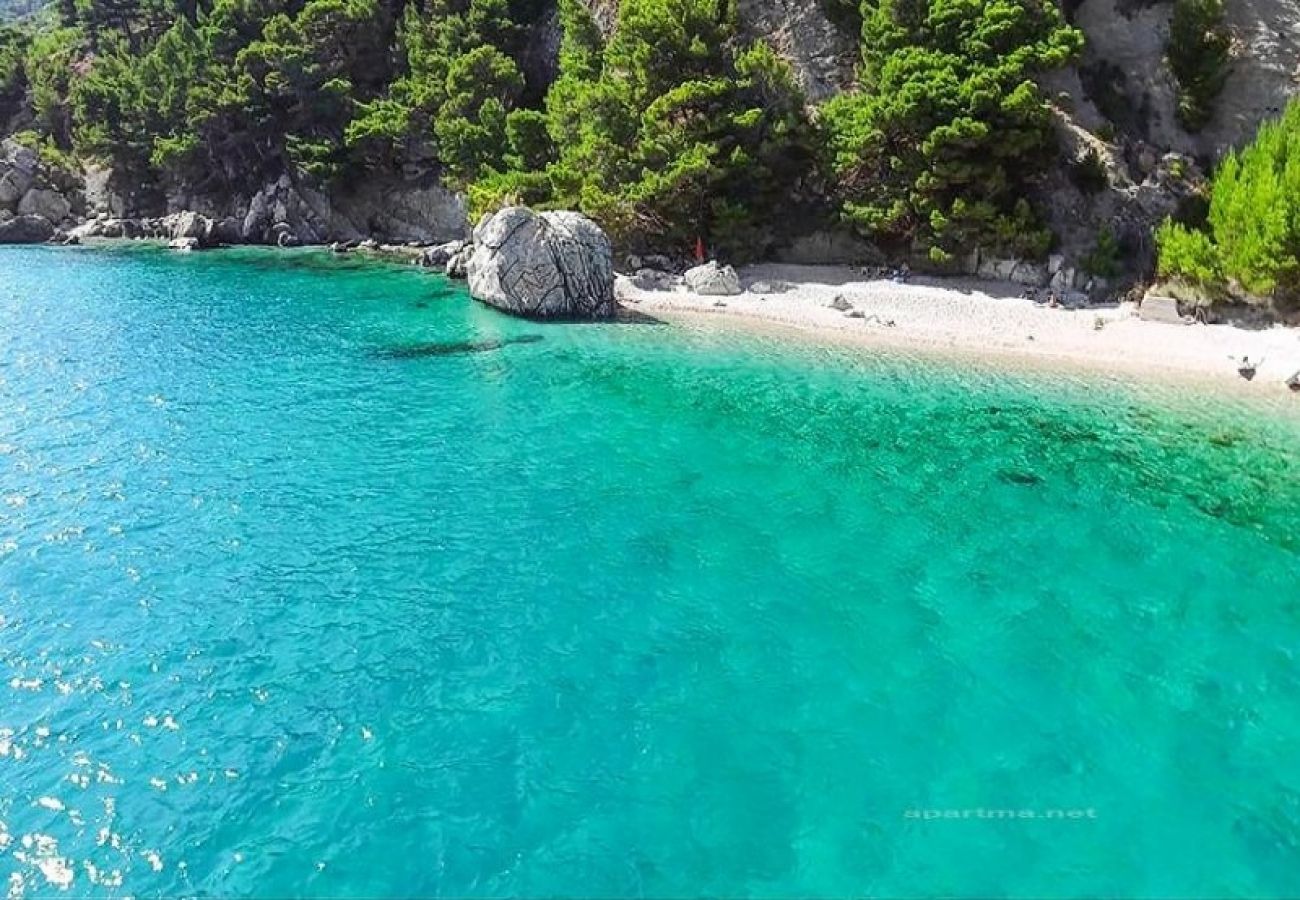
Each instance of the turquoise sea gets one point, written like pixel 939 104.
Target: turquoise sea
pixel 315 580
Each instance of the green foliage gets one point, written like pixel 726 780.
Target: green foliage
pixel 937 152
pixel 1104 258
pixel 1198 50
pixel 1187 254
pixel 461 82
pixel 1253 240
pixel 670 133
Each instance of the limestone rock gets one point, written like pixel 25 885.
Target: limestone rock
pixel 654 280
pixel 713 280
pixel 547 265
pixel 45 203
pixel 1158 308
pixel 18 165
pixel 458 264
pixel 438 257
pixel 184 244
pixel 191 226
pixel 26 229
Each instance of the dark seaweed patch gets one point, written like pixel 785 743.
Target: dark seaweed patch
pixel 1015 476
pixel 453 348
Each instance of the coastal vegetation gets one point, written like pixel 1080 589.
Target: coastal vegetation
pixel 1250 243
pixel 939 147
pixel 671 130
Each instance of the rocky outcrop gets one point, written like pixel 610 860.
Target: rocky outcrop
pixel 1124 79
pixel 191 231
pixel 27 229
pixel 713 280
pixel 31 196
pixel 822 55
pixel 438 256
pixel 553 265
pixel 46 203
pixel 289 212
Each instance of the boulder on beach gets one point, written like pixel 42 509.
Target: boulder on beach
pixel 542 265
pixel 29 229
pixel 713 280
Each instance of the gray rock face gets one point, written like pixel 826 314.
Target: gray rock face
pixel 823 56
pixel 713 280
pixel 438 257
pixel 548 265
pixel 18 167
pixel 29 229
pixel 458 263
pixel 195 230
pixel 45 203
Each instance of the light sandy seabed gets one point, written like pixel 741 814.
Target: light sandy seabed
pixel 988 320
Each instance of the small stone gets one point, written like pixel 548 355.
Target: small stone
pixel 841 303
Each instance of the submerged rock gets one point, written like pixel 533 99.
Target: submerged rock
pixel 713 280
pixel 456 348
pixel 545 266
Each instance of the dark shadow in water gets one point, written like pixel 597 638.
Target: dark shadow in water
pixel 454 348
pixel 625 316
pixel 1012 476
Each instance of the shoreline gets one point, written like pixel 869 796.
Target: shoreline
pixel 987 322
pixel 956 318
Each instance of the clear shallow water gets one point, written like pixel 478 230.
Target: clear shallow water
pixel 629 610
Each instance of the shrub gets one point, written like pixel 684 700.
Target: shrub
pixel 1187 254
pixel 669 134
pixel 1253 241
pixel 939 150
pixel 1104 260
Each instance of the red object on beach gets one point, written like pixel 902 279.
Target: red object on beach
pixel 699 249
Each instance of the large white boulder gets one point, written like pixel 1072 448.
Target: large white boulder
pixel 713 280
pixel 553 265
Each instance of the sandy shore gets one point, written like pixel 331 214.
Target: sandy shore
pixel 987 319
